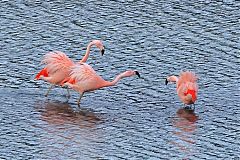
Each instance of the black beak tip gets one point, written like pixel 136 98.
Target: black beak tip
pixel 137 73
pixel 166 81
pixel 102 52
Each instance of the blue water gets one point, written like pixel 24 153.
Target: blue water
pixel 138 118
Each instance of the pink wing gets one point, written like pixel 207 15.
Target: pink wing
pixel 57 61
pixel 187 82
pixel 82 73
pixel 188 79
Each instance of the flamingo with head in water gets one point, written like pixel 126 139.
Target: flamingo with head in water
pixel 84 79
pixel 187 87
pixel 58 65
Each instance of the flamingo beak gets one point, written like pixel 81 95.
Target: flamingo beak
pixel 102 51
pixel 166 81
pixel 137 73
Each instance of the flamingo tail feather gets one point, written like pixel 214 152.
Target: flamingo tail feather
pixel 43 72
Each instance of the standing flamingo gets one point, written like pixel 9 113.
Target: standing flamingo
pixel 84 79
pixel 58 65
pixel 187 87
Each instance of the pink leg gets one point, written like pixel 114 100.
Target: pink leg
pixel 49 90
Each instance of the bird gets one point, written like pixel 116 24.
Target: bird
pixel 187 87
pixel 83 79
pixel 58 65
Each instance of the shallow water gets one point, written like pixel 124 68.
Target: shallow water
pixel 138 118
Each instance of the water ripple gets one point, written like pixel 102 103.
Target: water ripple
pixel 138 118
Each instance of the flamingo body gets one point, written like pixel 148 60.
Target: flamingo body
pixel 187 87
pixel 58 65
pixel 83 79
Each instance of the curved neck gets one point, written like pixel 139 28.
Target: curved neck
pixel 173 79
pixel 115 81
pixel 112 83
pixel 84 59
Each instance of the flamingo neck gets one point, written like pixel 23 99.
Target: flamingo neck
pixel 173 79
pixel 114 82
pixel 84 59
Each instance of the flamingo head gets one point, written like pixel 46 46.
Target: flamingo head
pixel 137 73
pixel 99 45
pixel 131 73
pixel 189 99
pixel 166 81
pixel 191 96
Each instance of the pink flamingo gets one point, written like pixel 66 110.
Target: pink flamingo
pixel 58 65
pixel 187 87
pixel 84 79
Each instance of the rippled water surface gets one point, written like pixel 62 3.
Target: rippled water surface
pixel 138 118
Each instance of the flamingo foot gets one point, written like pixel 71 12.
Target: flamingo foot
pixel 189 107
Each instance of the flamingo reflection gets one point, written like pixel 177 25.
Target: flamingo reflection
pixel 59 113
pixel 185 124
pixel 66 130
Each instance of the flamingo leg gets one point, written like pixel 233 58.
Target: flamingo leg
pixel 49 89
pixel 68 93
pixel 78 102
pixel 184 106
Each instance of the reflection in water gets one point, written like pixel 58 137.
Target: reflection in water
pixel 185 124
pixel 59 113
pixel 68 132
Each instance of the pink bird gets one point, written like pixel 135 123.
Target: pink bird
pixel 84 79
pixel 187 87
pixel 58 65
